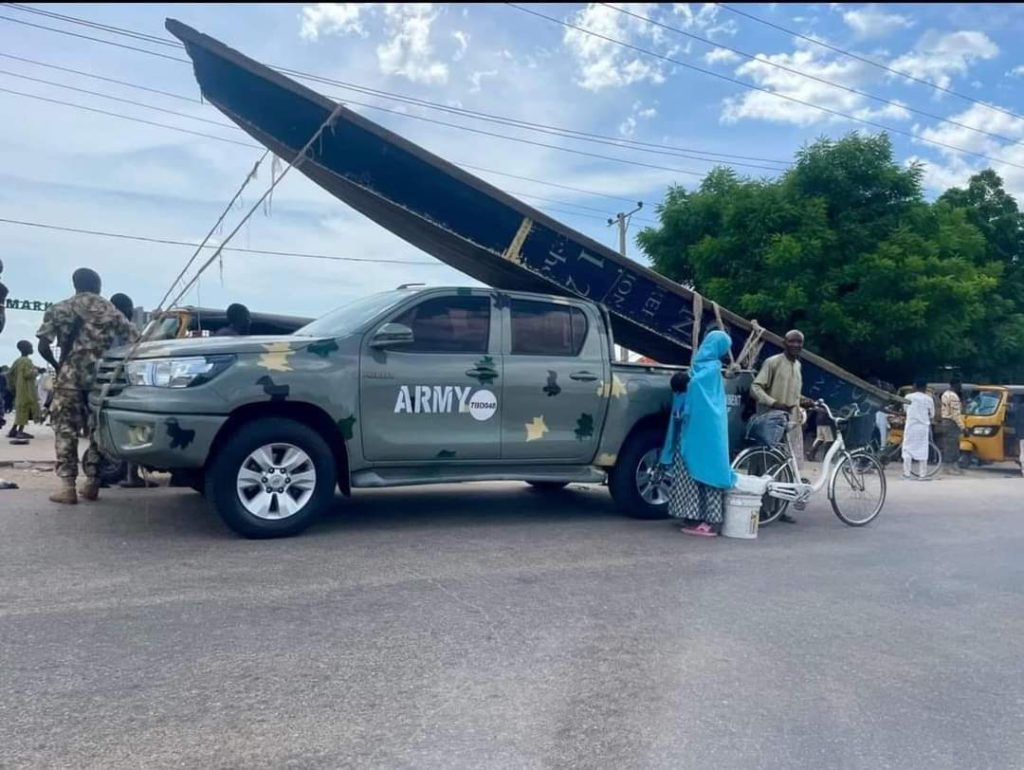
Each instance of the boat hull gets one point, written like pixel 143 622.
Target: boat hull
pixel 470 224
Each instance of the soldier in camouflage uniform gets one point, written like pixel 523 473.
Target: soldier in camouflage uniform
pixel 84 326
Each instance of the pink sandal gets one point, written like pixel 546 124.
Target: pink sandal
pixel 701 530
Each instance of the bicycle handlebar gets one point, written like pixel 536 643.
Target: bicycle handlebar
pixel 849 415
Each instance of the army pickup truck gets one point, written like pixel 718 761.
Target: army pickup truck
pixel 412 386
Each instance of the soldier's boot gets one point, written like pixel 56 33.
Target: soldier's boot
pixel 67 494
pixel 90 490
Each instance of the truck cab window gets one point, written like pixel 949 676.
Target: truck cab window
pixel 547 329
pixel 449 325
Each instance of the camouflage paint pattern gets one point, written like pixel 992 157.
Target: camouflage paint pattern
pixel 324 373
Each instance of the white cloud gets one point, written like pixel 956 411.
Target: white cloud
pixel 873 22
pixel 1016 72
pixel 332 18
pixel 955 168
pixel 811 61
pixel 981 117
pixel 477 79
pixel 628 126
pixel 462 38
pixel 603 64
pixel 937 56
pixel 705 19
pixel 409 52
pixel 721 56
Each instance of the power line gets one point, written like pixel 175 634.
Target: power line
pixel 120 99
pixel 866 60
pixel 341 83
pixel 602 212
pixel 96 25
pixel 72 71
pixel 641 146
pixel 96 39
pixel 128 117
pixel 244 144
pixel 497 119
pixel 752 87
pixel 423 118
pixel 549 184
pixel 815 78
pixel 571 150
pixel 556 130
pixel 171 242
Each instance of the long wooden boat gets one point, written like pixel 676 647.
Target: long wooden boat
pixel 468 223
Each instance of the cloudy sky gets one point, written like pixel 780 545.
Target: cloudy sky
pixel 684 87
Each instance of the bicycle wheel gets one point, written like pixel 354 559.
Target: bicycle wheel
pixel 934 459
pixel 764 461
pixel 857 489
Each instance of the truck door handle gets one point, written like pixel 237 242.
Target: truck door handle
pixel 583 377
pixel 477 371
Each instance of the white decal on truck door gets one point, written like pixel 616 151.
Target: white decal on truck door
pixel 483 405
pixel 445 399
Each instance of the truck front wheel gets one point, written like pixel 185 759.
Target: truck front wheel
pixel 272 478
pixel 635 481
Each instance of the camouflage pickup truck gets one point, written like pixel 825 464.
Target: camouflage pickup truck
pixel 412 386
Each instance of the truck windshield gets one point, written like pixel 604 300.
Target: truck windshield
pixel 983 404
pixel 350 317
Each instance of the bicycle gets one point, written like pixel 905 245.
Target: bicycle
pixel 894 451
pixel 856 480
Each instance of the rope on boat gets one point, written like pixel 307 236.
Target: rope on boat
pixel 751 347
pixel 300 158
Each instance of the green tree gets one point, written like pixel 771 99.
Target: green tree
pixel 844 246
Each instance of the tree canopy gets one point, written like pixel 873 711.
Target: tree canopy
pixel 845 247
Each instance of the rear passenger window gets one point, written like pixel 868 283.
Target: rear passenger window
pixel 546 329
pixel 449 325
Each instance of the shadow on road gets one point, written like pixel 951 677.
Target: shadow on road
pixel 158 513
pixel 461 505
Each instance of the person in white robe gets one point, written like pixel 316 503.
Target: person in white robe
pixel 920 415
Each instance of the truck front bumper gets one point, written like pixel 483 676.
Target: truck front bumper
pixel 158 440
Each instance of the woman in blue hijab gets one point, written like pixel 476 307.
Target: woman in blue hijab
pixel 697 445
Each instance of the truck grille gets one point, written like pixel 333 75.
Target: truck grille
pixel 107 373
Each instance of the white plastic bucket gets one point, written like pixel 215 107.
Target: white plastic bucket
pixel 743 507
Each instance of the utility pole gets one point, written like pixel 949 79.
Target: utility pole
pixel 622 220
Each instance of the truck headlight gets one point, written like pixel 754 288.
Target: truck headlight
pixel 984 430
pixel 176 372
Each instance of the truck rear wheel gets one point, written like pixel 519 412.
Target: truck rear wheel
pixel 635 483
pixel 272 478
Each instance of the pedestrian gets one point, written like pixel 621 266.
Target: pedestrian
pixel 8 398
pixel 84 326
pixel 239 322
pixel 920 413
pixel 41 391
pixel 126 307
pixel 697 444
pixel 3 393
pixel 1018 428
pixel 45 393
pixel 952 426
pixel 132 476
pixel 22 381
pixel 779 387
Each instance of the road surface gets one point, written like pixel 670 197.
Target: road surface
pixel 493 627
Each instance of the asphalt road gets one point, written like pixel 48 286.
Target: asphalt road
pixel 491 627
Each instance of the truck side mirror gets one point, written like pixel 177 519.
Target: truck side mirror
pixel 390 335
